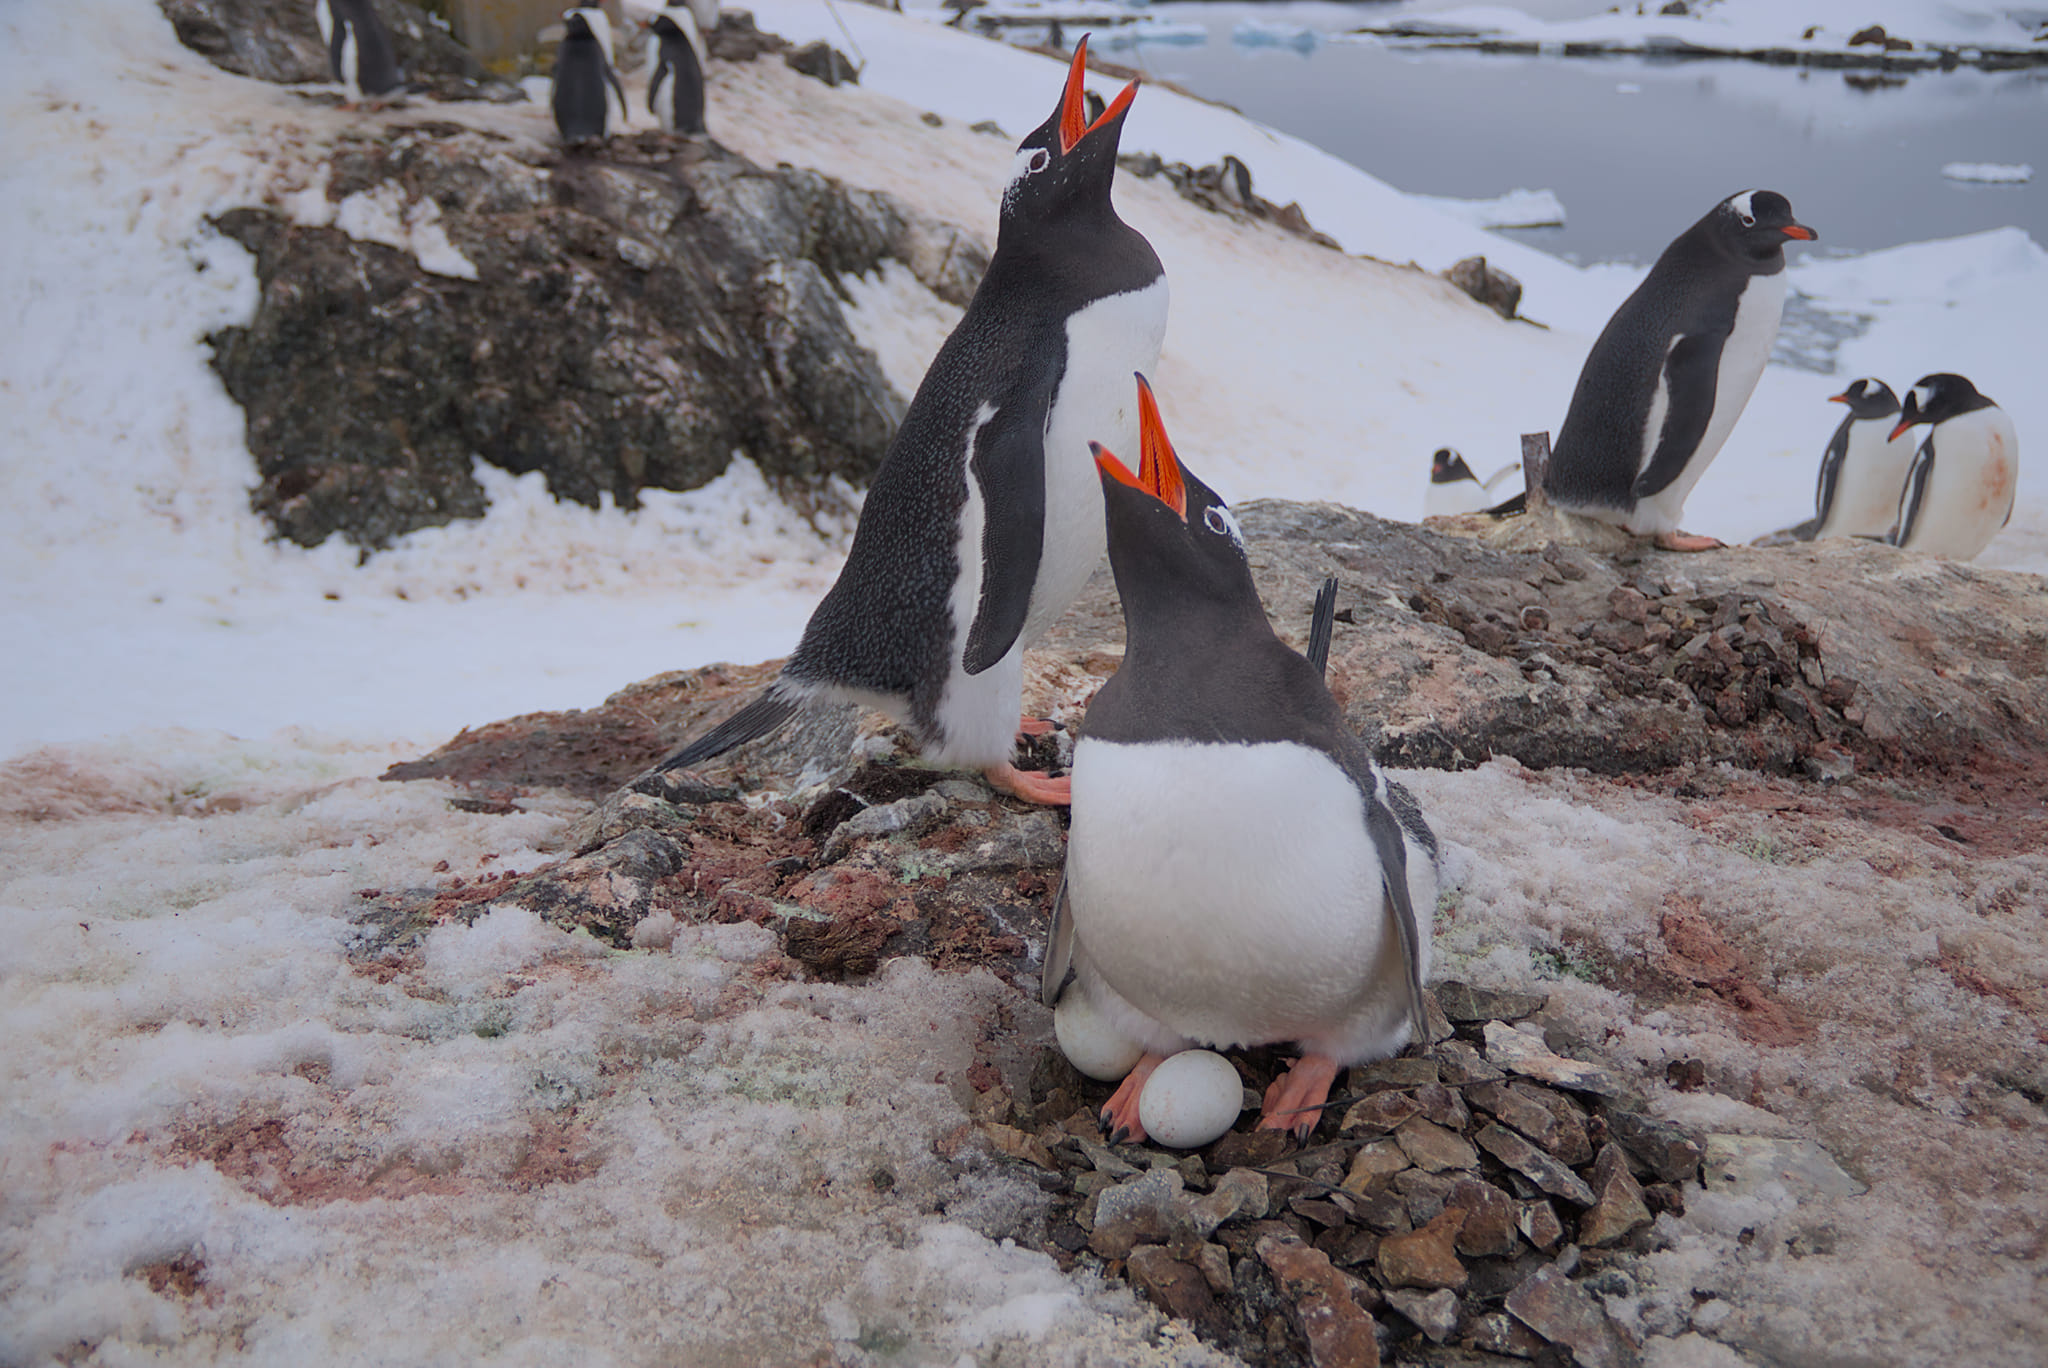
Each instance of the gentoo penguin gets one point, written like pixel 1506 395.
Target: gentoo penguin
pixel 584 80
pixel 985 518
pixel 1453 488
pixel 1239 872
pixel 1864 468
pixel 359 51
pixel 1960 489
pixel 680 62
pixel 1673 369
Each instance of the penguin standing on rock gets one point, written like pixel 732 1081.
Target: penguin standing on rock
pixel 680 63
pixel 1960 489
pixel 359 51
pixel 584 81
pixel 985 518
pixel 1239 872
pixel 1673 369
pixel 1864 467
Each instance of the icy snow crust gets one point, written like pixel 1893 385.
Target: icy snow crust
pixel 518 1146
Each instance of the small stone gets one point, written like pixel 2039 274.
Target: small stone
pixel 1558 1309
pixel 1570 1142
pixel 1741 1165
pixel 932 120
pixel 1461 1065
pixel 1340 1333
pixel 1533 1164
pixel 1374 1164
pixel 1620 1208
pixel 1349 1247
pixel 1435 1314
pixel 1423 1194
pixel 1445 1106
pixel 1661 1147
pixel 1139 1212
pixel 1325 1214
pixel 1539 1225
pixel 1524 1055
pixel 1465 1004
pixel 1628 604
pixel 1104 1159
pixel 1380 1112
pixel 1175 1287
pixel 1403 1071
pixel 1514 1105
pixel 1496 289
pixel 988 126
pixel 1240 1192
pixel 821 61
pixel 1384 1212
pixel 1434 1148
pixel 1012 1143
pixel 1214 1262
pixel 1499 1333
pixel 1427 1257
pixel 1489 1229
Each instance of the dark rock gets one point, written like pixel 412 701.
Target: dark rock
pixel 1620 1208
pixel 607 892
pixel 1499 1333
pixel 1539 1224
pixel 636 315
pixel 1434 1148
pixel 1496 289
pixel 737 40
pixel 1517 1105
pixel 1403 1071
pixel 1177 1288
pixel 1340 1333
pixel 1423 1193
pixel 1533 1164
pixel 1380 1112
pixel 1140 1211
pixel 279 41
pixel 1659 1146
pixel 1435 1314
pixel 1465 1004
pixel 821 61
pixel 1489 1227
pixel 1555 1307
pixel 1427 1257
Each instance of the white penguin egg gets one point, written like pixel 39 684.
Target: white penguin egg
pixel 1190 1099
pixel 1088 1040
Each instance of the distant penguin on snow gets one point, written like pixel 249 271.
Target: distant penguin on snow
pixel 985 518
pixel 359 51
pixel 679 64
pixel 1960 489
pixel 1673 369
pixel 1453 488
pixel 1239 872
pixel 584 82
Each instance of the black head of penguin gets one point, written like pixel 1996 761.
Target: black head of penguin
pixel 1174 546
pixel 1448 467
pixel 1937 398
pixel 1868 398
pixel 1064 167
pixel 1751 228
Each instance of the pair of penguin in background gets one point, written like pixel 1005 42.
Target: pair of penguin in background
pixel 586 82
pixel 1947 498
pixel 1238 873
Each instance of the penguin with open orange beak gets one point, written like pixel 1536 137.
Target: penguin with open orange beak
pixel 1239 872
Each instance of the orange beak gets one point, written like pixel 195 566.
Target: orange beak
pixel 1842 398
pixel 1158 468
pixel 1905 424
pixel 1074 124
pixel 1800 231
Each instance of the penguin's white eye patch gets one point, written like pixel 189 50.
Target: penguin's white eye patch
pixel 1223 523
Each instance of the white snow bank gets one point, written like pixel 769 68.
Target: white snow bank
pixel 1516 209
pixel 1989 173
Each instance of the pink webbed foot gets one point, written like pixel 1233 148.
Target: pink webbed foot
pixel 1687 541
pixel 1294 1101
pixel 1030 785
pixel 1119 1115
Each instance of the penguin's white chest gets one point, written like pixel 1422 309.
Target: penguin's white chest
pixel 1231 893
pixel 1866 501
pixel 1743 357
pixel 1968 485
pixel 1096 402
pixel 1453 497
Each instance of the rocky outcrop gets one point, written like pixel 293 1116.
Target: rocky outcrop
pixel 616 320
pixel 279 40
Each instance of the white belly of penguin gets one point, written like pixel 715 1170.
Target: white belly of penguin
pixel 1971 492
pixel 1231 893
pixel 1743 357
pixel 1867 491
pixel 1097 402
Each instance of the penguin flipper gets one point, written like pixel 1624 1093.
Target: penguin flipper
pixel 1385 826
pixel 760 717
pixel 661 71
pixel 1008 468
pixel 625 105
pixel 337 43
pixel 1059 948
pixel 1691 373
pixel 1831 463
pixel 1915 495
pixel 1322 625
pixel 1511 507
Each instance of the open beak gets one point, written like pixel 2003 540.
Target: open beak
pixel 1074 124
pixel 1158 468
pixel 1800 231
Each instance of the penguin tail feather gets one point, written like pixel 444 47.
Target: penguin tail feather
pixel 764 715
pixel 1509 508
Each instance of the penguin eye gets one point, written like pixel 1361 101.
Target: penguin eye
pixel 1220 521
pixel 1749 220
pixel 1038 161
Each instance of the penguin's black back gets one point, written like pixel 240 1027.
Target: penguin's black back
pixel 678 66
pixel 581 109
pixel 885 626
pixel 1693 291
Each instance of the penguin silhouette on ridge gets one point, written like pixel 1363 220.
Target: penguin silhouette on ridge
pixel 584 82
pixel 359 51
pixel 678 63
pixel 1673 370
pixel 985 518
pixel 1238 872
pixel 1966 475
